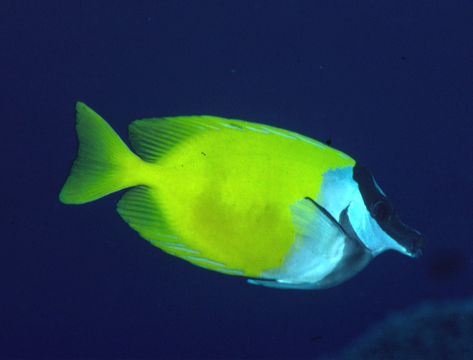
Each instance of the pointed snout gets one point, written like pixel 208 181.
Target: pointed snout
pixel 417 246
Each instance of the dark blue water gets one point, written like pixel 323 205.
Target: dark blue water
pixel 389 83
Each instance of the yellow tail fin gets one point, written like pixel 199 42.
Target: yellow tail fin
pixel 102 160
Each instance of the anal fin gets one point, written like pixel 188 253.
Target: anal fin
pixel 140 208
pixel 282 284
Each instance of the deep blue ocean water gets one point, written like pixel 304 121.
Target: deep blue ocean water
pixel 390 83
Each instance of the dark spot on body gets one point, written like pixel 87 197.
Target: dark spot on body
pixel 237 126
pixel 203 153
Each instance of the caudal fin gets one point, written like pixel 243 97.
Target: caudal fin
pixel 101 163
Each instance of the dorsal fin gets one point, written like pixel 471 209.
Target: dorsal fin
pixel 152 138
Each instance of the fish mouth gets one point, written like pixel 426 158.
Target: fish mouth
pixel 417 246
pixel 410 239
pixel 416 254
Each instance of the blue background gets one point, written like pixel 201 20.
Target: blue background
pixel 390 83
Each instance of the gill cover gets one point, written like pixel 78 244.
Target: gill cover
pixel 325 252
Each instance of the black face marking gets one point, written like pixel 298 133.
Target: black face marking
pixel 369 191
pixel 382 211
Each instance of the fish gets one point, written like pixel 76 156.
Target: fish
pixel 240 198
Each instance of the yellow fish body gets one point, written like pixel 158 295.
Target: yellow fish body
pixel 231 196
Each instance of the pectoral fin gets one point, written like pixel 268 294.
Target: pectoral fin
pixel 313 220
pixel 317 248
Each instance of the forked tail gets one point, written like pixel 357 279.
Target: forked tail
pixel 103 160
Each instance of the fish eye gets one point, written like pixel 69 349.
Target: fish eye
pixel 380 210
